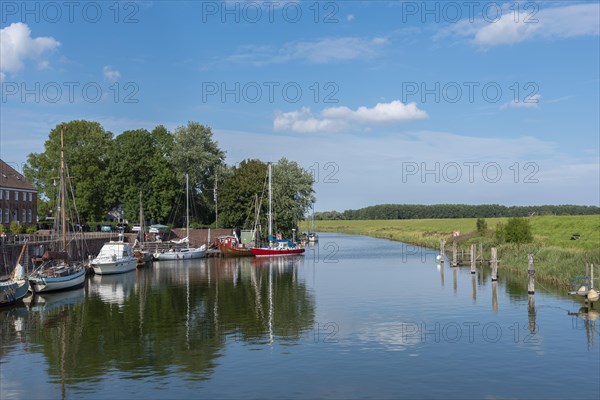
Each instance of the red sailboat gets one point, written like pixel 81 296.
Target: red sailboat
pixel 277 246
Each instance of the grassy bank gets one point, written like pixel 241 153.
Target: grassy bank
pixel 558 258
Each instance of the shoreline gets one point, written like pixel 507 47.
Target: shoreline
pixel 556 262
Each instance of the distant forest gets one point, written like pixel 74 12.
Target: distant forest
pixel 419 211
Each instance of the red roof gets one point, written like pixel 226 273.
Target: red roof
pixel 11 179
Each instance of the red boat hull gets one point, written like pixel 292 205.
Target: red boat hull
pixel 267 252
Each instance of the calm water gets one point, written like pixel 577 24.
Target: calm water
pixel 355 317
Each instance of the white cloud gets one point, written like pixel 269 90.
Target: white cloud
pixel 529 23
pixel 111 75
pixel 17 46
pixel 335 119
pixel 315 52
pixel 528 102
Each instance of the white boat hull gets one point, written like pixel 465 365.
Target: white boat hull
pixel 115 267
pixel 49 284
pixel 184 254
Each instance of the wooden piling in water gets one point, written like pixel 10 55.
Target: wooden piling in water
pixel 494 262
pixel 442 252
pixel 530 275
pixel 454 254
pixel 473 259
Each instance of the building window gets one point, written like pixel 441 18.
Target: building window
pixel 24 215
pixel 29 217
pixel 1 212
pixel 1 191
pixel 30 196
pixel 7 193
pixel 16 195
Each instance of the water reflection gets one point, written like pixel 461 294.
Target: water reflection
pixel 170 317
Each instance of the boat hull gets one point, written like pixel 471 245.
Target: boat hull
pixel 51 284
pixel 13 291
pixel 269 252
pixel 229 251
pixel 185 254
pixel 117 267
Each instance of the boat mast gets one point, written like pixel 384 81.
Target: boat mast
pixel 270 203
pixel 142 225
pixel 63 208
pixel 187 209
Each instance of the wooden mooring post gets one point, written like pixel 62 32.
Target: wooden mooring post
pixel 473 259
pixel 454 254
pixel 494 262
pixel 530 275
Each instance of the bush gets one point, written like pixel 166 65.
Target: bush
pixel 31 230
pixel 16 228
pixel 481 226
pixel 516 230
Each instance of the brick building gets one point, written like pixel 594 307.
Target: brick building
pixel 18 198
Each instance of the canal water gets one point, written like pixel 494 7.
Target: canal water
pixel 356 317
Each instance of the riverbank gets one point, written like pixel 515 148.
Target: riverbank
pixel 558 258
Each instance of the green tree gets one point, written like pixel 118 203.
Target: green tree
pixel 237 194
pixel 481 226
pixel 292 195
pixel 86 152
pixel 138 164
pixel 197 154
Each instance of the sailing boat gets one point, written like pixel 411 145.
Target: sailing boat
pixel 17 286
pixel 56 272
pixel 312 236
pixel 187 252
pixel 277 247
pixel 143 256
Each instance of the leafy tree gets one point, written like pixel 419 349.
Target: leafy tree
pixel 238 191
pixel 197 154
pixel 86 153
pixel 292 195
pixel 481 226
pixel 137 164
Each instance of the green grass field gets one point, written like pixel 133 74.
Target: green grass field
pixel 558 258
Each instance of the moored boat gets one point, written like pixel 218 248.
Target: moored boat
pixel 16 287
pixel 57 272
pixel 114 258
pixel 183 253
pixel 277 246
pixel 230 247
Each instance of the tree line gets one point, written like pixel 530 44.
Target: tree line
pixel 111 172
pixel 420 211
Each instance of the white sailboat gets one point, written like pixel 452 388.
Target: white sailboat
pixel 312 236
pixel 185 253
pixel 57 272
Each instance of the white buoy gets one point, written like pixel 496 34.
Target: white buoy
pixel 592 295
pixel 438 257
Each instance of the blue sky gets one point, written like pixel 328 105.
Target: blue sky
pixel 386 102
